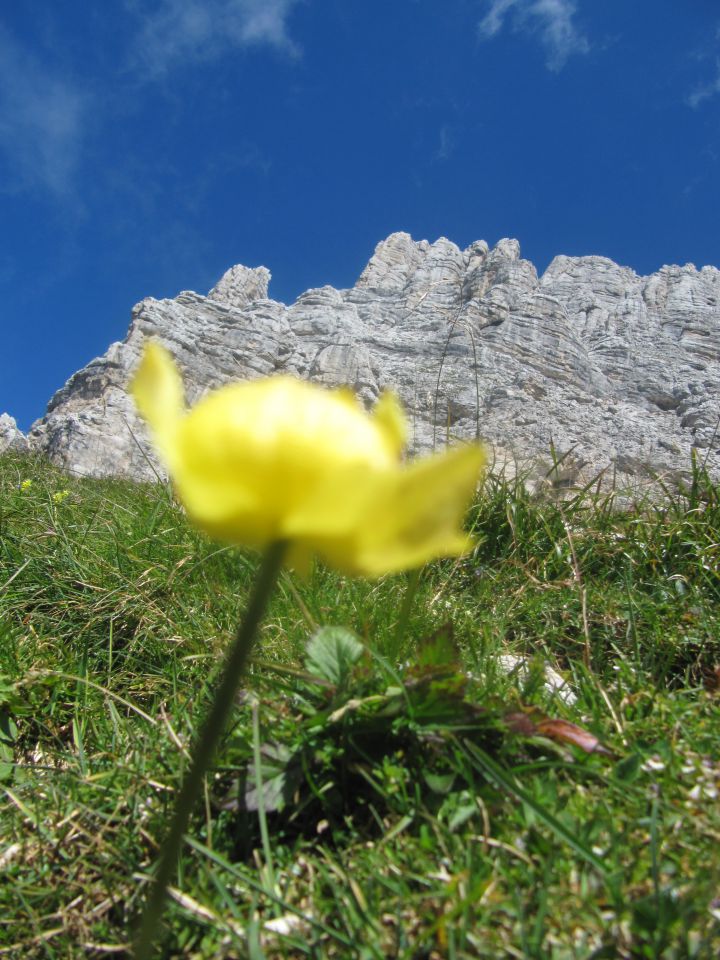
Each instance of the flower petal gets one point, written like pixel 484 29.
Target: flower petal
pixel 419 515
pixel 277 459
pixel 388 414
pixel 282 459
pixel 158 392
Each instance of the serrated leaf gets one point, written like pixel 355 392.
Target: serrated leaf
pixel 438 651
pixel 440 700
pixel 331 654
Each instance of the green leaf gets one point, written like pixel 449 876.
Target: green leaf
pixel 439 650
pixel 8 727
pixel 6 762
pixel 628 769
pixel 280 773
pixel 462 815
pixel 441 701
pixel 8 733
pixel 331 654
pixel 441 783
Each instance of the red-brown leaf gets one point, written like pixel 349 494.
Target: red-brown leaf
pixel 571 733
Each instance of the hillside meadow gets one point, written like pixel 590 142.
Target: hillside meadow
pixel 515 754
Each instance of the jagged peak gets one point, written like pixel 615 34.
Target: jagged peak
pixel 398 258
pixel 240 286
pixel 507 248
pixel 589 263
pixel 394 261
pixel 11 437
pixel 624 369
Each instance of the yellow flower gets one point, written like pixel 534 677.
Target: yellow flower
pixel 26 484
pixel 281 459
pixel 60 495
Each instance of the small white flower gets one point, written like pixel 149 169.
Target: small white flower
pixel 703 791
pixel 653 765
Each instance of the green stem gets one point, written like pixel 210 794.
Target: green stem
pixel 205 747
pixel 262 819
pixel 410 590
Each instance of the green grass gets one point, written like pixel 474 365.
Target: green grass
pixel 401 815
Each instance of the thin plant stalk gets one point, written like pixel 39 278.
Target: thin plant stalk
pixel 410 590
pixel 262 818
pixel 205 747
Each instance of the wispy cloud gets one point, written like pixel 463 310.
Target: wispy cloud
pixel 181 31
pixel 706 90
pixel 446 143
pixel 551 20
pixel 42 122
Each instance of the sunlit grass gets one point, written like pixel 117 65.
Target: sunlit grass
pixel 114 614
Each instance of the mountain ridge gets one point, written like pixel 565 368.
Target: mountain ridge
pixel 621 369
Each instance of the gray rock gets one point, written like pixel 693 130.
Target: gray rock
pixel 555 684
pixel 10 437
pixel 240 286
pixel 613 371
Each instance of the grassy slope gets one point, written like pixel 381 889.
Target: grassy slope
pixel 113 617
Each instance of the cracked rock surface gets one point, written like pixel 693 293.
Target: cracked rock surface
pixel 617 372
pixel 10 437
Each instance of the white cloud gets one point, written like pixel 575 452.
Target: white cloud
pixel 446 143
pixel 493 20
pixel 551 20
pixel 42 122
pixel 706 90
pixel 178 31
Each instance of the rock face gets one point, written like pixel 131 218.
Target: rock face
pixel 621 370
pixel 10 437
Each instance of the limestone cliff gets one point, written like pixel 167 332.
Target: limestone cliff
pixel 623 370
pixel 10 437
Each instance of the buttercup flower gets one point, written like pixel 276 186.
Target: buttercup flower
pixel 282 459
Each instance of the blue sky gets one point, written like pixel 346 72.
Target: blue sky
pixel 148 145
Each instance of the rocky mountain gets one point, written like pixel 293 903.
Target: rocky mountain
pixel 10 437
pixel 620 372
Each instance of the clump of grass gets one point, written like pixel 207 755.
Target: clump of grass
pixel 407 819
pixel 645 578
